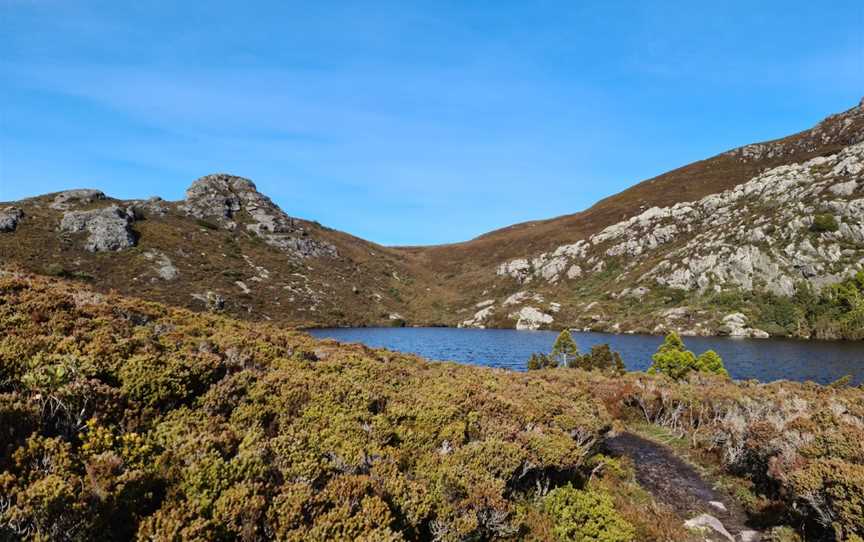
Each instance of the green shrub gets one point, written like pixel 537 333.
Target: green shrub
pixel 585 516
pixel 824 223
pixel 602 358
pixel 834 490
pixel 541 361
pixel 674 360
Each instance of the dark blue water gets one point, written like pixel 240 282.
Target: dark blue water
pixel 762 359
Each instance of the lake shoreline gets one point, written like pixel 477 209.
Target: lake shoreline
pixel 765 360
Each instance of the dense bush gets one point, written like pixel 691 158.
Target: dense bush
pixel 586 516
pixel 601 358
pixel 538 361
pixel 123 419
pixel 565 353
pixel 674 360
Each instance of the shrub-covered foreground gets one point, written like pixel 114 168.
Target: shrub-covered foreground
pixel 121 419
pixel 126 419
pixel 800 446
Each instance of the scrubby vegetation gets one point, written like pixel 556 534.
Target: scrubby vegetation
pixel 836 312
pixel 127 419
pixel 674 360
pixel 799 446
pixel 586 515
pixel 124 419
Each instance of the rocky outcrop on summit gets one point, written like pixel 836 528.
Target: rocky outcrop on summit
pixel 109 228
pixel 72 198
pixel 234 201
pixel 843 128
pixel 9 218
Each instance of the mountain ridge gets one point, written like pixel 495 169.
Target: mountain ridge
pixel 226 246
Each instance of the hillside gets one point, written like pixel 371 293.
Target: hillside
pixel 648 259
pixel 125 419
pixel 595 269
pixel 225 247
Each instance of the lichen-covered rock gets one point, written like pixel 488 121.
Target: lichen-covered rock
pixel 217 195
pixel 9 218
pixel 736 325
pixel 479 318
pixel 233 200
pixel 79 196
pixel 709 525
pixel 109 228
pixel 212 301
pixel 164 267
pixel 154 206
pixel 531 318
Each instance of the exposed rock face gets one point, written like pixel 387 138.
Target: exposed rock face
pixel 154 206
pixel 109 228
pixel 531 318
pixel 80 196
pixel 757 235
pixel 9 218
pixel 736 326
pixel 480 317
pixel 212 301
pixel 234 200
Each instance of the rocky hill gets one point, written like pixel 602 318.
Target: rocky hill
pixel 714 247
pixel 225 247
pixel 744 243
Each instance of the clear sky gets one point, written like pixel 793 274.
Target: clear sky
pixel 408 122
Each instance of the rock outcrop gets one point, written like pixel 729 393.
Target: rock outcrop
pixel 234 201
pixel 793 224
pixel 531 318
pixel 164 267
pixel 709 525
pixel 9 218
pixel 736 325
pixel 71 198
pixel 108 229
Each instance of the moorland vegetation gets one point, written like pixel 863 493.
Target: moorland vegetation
pixel 126 419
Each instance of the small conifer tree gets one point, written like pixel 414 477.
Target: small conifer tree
pixel 710 362
pixel 565 348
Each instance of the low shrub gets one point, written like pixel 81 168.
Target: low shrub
pixel 824 222
pixel 584 516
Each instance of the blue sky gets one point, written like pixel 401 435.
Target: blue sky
pixel 408 122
